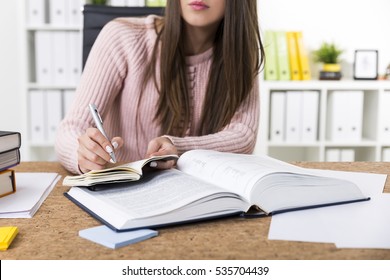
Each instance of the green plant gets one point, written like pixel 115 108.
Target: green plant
pixel 328 53
pixel 99 2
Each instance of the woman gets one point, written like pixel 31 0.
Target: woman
pixel 168 85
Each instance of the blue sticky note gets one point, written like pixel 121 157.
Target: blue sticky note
pixel 105 236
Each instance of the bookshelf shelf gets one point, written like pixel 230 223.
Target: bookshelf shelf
pixel 369 148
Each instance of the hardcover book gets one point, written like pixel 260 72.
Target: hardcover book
pixel 9 140
pixel 209 184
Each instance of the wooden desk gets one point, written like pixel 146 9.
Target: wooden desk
pixel 53 232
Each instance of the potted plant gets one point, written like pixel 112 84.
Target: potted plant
pixel 99 2
pixel 328 54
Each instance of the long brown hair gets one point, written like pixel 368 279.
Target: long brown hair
pixel 237 58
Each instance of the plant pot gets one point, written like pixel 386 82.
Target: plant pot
pixel 330 72
pixel 331 67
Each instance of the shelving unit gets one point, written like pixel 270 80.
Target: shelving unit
pixel 42 148
pixel 370 148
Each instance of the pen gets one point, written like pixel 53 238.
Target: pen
pixel 99 124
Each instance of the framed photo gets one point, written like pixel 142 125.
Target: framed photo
pixel 365 65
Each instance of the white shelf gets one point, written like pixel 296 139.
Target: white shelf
pixel 368 149
pixel 54 28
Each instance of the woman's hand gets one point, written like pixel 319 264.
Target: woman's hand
pixel 161 146
pixel 94 149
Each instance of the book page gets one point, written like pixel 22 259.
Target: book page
pixel 234 172
pixel 156 194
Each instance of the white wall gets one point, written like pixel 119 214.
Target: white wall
pixel 351 24
pixel 11 75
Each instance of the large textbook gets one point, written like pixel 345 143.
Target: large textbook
pixel 208 184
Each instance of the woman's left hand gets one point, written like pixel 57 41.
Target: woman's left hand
pixel 161 146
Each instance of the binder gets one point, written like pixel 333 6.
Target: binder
pixel 384 118
pixel 37 116
pixel 354 116
pixel 283 65
pixel 293 116
pixel 153 3
pixel 293 56
pixel 386 154
pixel 347 155
pixel 332 154
pixel 36 12
pixel 345 124
pixel 310 115
pixel 277 116
pixel 74 12
pixel 60 59
pixel 53 108
pixel 270 68
pixel 43 57
pixel 118 2
pixel 303 58
pixel 74 57
pixel 135 3
pixel 58 12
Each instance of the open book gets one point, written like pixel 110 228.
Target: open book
pixel 210 184
pixel 122 173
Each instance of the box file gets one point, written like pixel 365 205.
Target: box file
pixel 277 116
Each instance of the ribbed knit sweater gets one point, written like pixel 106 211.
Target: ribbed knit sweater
pixel 112 79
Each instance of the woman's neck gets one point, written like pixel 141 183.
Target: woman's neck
pixel 198 39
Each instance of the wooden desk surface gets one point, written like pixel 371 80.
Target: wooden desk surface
pixel 53 232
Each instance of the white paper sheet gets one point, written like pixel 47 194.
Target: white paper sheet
pixel 356 225
pixel 31 190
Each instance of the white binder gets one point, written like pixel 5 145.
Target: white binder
pixel 60 58
pixel 36 11
pixel 54 113
pixel 345 116
pixel 118 2
pixel 310 113
pixel 332 154
pixel 386 154
pixel 43 57
pixel 277 116
pixel 37 116
pixel 74 12
pixel 293 116
pixel 384 118
pixel 135 3
pixel 74 57
pixel 58 12
pixel 347 155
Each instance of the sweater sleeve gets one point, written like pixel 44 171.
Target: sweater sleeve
pixel 100 83
pixel 239 136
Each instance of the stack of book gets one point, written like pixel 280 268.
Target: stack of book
pixel 286 56
pixel 9 156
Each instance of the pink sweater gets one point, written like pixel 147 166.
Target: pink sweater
pixel 112 78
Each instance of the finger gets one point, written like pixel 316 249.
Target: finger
pixel 98 139
pixel 160 164
pixel 86 164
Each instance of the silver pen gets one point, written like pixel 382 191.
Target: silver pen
pixel 99 124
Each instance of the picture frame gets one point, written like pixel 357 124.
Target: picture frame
pixel 365 66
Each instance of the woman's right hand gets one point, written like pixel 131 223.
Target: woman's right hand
pixel 94 148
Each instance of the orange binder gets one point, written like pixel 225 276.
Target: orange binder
pixel 293 55
pixel 303 58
